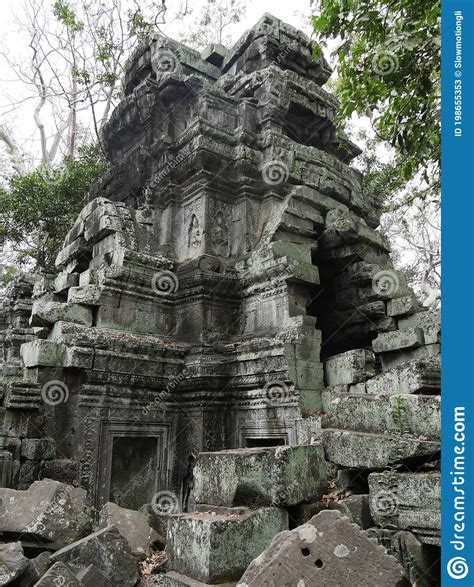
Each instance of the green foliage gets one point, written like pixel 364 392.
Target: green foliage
pixel 65 14
pixel 388 62
pixel 38 208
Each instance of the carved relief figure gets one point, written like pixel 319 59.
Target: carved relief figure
pixel 194 233
pixel 220 235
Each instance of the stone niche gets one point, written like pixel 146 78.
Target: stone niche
pixel 227 254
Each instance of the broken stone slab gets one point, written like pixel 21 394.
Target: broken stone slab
pixel 350 367
pixel 429 321
pixel 45 313
pixel 402 306
pixel 212 538
pixel 132 525
pixel 64 281
pixel 49 510
pixel 423 376
pixel 396 358
pixel 410 501
pixel 363 450
pixel 328 551
pixel 13 563
pixel 398 340
pixel 108 552
pixel 173 579
pixel 280 476
pixel 418 415
pixel 59 574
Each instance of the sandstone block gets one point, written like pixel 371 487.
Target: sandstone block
pixel 59 574
pixel 42 353
pixel 47 313
pixel 349 367
pixel 362 450
pixel 411 377
pixel 132 525
pixel 212 538
pixel 327 551
pixel 411 501
pixel 38 449
pixel 398 340
pixel 107 552
pixel 50 510
pixel 13 563
pixel 281 476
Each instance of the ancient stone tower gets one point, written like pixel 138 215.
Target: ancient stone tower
pixel 225 287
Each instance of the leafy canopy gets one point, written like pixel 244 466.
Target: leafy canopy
pixel 388 62
pixel 38 208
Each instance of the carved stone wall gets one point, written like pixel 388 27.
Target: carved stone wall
pixel 225 287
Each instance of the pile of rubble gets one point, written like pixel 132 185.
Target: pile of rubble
pixel 50 537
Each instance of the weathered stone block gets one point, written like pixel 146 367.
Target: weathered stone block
pixel 108 552
pixel 38 449
pixel 398 340
pixel 361 450
pixel 416 414
pixel 13 563
pixel 349 367
pixel 411 377
pixel 212 537
pixel 327 551
pixel 59 574
pixel 47 313
pixel 53 512
pixel 281 476
pixel 132 525
pixel 402 306
pixel 429 322
pixel 410 501
pixel 42 353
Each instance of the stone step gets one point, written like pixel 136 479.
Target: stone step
pixel 365 450
pixel 208 546
pixel 418 415
pixel 409 501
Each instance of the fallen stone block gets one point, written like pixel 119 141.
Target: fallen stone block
pixel 49 510
pixel 350 367
pixel 281 476
pixel 410 501
pixel 418 415
pixel 13 563
pixel 398 340
pixel 413 377
pixel 429 322
pixel 402 306
pixel 108 552
pixel 212 538
pixel 132 525
pixel 363 450
pixel 328 551
pixel 47 313
pixel 59 574
pixel 394 359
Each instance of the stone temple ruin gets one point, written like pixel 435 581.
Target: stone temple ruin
pixel 226 339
